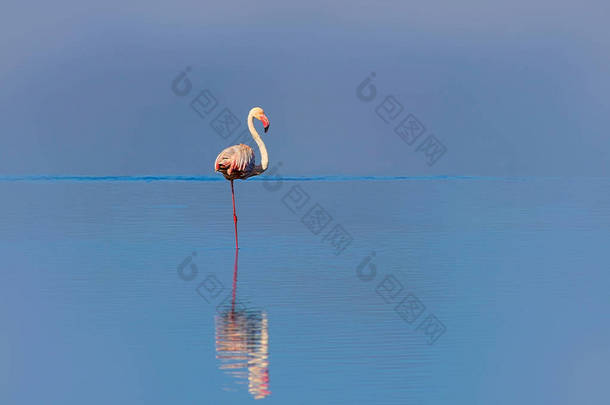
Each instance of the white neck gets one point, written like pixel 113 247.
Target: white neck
pixel 259 142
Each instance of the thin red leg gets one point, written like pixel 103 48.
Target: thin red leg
pixel 234 215
pixel 234 282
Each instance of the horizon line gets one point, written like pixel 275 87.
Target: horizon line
pixel 189 178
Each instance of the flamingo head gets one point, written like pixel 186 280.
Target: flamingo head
pixel 259 114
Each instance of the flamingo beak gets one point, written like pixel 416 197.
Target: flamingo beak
pixel 265 122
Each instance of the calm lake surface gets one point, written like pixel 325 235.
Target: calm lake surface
pixel 423 291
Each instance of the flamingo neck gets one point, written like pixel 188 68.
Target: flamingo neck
pixel 259 142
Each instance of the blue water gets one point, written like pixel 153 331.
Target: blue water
pixel 429 290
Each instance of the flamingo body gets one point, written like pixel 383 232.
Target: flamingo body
pixel 236 162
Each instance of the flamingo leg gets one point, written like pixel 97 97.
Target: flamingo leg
pixel 234 283
pixel 234 215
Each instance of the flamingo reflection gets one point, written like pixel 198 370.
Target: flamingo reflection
pixel 242 344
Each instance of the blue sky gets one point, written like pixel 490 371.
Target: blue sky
pixel 508 89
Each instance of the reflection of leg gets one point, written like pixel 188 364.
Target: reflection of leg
pixel 234 215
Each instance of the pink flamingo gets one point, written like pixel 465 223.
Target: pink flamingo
pixel 238 162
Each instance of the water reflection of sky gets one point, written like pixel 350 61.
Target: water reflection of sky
pixel 91 294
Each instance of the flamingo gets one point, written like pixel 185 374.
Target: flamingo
pixel 238 162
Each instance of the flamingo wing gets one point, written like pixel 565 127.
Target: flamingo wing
pixel 236 160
